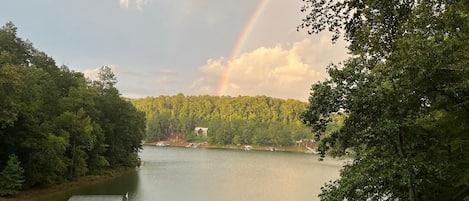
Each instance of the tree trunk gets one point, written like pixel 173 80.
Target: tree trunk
pixel 73 161
pixel 414 195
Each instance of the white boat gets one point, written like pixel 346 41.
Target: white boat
pixel 191 145
pixel 162 144
pixel 311 151
pixel 247 147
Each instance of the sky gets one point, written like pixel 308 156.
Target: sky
pixel 166 47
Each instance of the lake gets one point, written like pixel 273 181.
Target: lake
pixel 173 174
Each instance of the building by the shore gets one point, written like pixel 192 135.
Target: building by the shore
pixel 201 131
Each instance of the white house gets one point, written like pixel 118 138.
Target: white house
pixel 200 131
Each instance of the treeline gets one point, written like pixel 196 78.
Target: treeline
pixel 55 125
pixel 258 120
pixel 404 93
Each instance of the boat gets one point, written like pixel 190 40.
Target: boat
pixel 191 145
pixel 311 151
pixel 247 147
pixel 162 144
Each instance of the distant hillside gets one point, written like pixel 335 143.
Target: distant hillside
pixel 256 120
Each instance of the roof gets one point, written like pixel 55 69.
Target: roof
pixel 96 198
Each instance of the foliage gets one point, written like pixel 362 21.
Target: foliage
pixel 405 95
pixel 12 177
pixel 61 125
pixel 258 120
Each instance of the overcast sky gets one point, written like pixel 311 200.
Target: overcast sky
pixel 165 47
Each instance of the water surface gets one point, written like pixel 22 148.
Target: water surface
pixel 173 174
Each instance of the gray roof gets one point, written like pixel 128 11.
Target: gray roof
pixel 96 198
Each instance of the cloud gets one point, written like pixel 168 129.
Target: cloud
pixel 135 82
pixel 166 77
pixel 92 73
pixel 138 4
pixel 283 72
pixel 124 3
pixel 166 72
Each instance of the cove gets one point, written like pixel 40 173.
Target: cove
pixel 176 173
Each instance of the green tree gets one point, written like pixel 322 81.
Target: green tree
pixel 61 125
pixel 123 125
pixel 231 120
pixel 10 82
pixel 78 128
pixel 37 141
pixel 11 177
pixel 106 80
pixel 404 87
pixel 14 51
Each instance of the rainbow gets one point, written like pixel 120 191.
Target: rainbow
pixel 225 76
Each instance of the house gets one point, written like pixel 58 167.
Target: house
pixel 200 131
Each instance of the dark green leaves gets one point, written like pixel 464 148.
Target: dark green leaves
pixel 405 96
pixel 258 120
pixel 11 177
pixel 60 125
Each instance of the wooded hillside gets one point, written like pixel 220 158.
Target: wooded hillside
pixel 55 125
pixel 258 120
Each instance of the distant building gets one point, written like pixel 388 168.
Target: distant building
pixel 200 131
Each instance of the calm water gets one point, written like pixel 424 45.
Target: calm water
pixel 183 174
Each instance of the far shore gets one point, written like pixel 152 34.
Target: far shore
pixel 292 148
pixel 42 192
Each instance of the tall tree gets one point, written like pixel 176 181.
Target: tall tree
pixel 122 124
pixel 404 92
pixel 11 177
pixel 61 125
pixel 10 82
pixel 106 80
pixel 78 127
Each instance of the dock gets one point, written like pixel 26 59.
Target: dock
pixel 98 198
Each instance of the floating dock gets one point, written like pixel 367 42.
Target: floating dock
pixel 98 198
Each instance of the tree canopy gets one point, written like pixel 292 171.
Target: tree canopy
pixel 404 93
pixel 258 120
pixel 59 124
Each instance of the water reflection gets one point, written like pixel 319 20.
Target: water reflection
pixel 116 186
pixel 202 174
pixel 218 175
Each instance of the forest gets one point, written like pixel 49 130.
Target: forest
pixel 404 93
pixel 56 125
pixel 258 120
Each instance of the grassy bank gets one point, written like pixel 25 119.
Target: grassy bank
pixel 41 192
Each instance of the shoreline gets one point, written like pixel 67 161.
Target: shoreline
pixel 293 148
pixel 38 193
pixel 46 191
pixel 42 192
